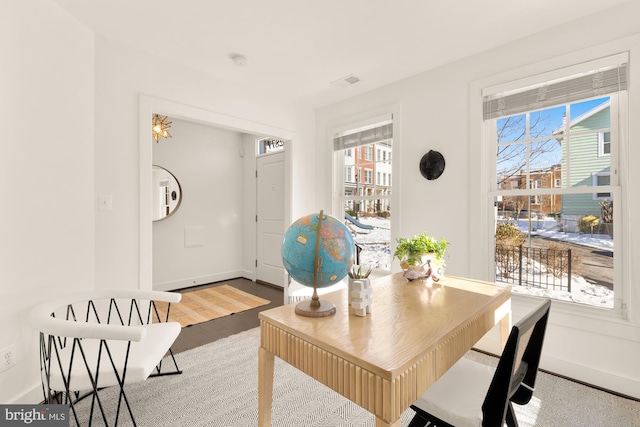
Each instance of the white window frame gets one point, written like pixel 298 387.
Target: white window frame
pixel 595 180
pixel 533 192
pixel 481 147
pixel 348 171
pixel 355 121
pixel 368 176
pixel 368 153
pixel 269 145
pixel 602 143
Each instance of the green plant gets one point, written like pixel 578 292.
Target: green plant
pixel 411 251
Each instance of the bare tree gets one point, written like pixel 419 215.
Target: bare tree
pixel 511 154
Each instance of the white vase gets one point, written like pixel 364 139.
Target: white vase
pixel 350 287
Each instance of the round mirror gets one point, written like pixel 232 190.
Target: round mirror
pixel 166 193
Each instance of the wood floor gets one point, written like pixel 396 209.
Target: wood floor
pixel 206 332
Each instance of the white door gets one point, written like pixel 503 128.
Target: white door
pixel 270 218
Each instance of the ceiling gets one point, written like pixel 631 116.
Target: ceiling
pixel 296 48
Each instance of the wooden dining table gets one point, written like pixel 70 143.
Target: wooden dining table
pixel 385 360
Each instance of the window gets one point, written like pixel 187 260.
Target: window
pixel 270 145
pixel 364 199
pixel 555 145
pixel 348 174
pixel 601 179
pixel 604 143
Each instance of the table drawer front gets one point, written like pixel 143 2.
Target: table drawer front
pixel 370 391
pixel 455 347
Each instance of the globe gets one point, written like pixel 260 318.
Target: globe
pixel 335 250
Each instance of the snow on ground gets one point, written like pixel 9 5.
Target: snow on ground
pixel 547 227
pixel 376 253
pixel 582 291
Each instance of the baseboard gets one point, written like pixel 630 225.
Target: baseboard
pixel 248 274
pixel 606 381
pixel 596 378
pixel 196 281
pixel 31 396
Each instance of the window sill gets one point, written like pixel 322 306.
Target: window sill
pixel 609 322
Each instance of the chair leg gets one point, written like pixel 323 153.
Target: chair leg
pixel 158 369
pixel 417 421
pixel 424 419
pixel 511 419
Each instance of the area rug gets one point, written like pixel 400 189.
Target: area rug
pixel 219 388
pixel 210 303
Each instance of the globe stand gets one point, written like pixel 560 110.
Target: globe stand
pixel 315 307
pixel 306 308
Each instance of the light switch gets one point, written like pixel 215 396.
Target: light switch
pixel 105 201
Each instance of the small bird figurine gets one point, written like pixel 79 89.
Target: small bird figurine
pixel 420 273
pixel 413 274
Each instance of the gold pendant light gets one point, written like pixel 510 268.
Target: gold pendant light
pixel 160 126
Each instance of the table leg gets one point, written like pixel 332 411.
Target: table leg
pixel 505 329
pixel 265 386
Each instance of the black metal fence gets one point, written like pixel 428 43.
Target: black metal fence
pixel 537 267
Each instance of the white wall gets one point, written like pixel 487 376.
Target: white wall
pixel 434 113
pixel 122 75
pixel 46 163
pixel 202 241
pixel 69 107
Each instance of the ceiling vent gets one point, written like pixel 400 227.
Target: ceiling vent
pixel 346 80
pixel 351 79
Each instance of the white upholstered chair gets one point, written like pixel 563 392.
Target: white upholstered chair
pixel 473 394
pixel 99 339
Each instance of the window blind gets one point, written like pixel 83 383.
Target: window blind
pixel 591 84
pixel 372 135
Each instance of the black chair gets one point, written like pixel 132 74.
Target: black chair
pixel 473 394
